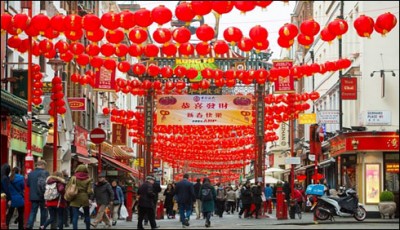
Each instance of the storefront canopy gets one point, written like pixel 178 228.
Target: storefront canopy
pixel 119 165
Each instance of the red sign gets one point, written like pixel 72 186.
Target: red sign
pixel 118 134
pixel 156 163
pixel 97 135
pixel 284 84
pixel 77 103
pixel 348 87
pixel 81 140
pixel 104 80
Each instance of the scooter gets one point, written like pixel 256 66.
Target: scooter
pixel 345 205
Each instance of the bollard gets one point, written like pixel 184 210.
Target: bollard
pixel 129 201
pixel 281 206
pixel 160 210
pixel 3 211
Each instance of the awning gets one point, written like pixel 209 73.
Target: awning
pixel 119 165
pixel 85 160
pixel 15 104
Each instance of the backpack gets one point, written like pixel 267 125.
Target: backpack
pixel 41 185
pixel 51 192
pixel 220 194
pixel 206 194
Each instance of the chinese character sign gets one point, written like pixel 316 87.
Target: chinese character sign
pixel 118 134
pixel 204 110
pixel 104 80
pixel 284 84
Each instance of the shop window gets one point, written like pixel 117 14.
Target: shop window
pixel 348 171
pixel 391 172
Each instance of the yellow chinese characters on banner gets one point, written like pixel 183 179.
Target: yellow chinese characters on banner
pixel 204 110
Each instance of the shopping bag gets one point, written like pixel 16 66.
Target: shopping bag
pixel 123 212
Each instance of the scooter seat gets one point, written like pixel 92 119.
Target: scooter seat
pixel 334 198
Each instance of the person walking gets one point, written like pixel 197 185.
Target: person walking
pixel 16 188
pixel 268 197
pixel 238 200
pixel 118 201
pixel 104 196
pixel 221 198
pixel 207 195
pixel 67 210
pixel 257 200
pixel 57 205
pixel 146 203
pixel 85 189
pixel 246 197
pixel 185 196
pixel 37 183
pixel 231 200
pixel 5 181
pixel 198 201
pixel 169 203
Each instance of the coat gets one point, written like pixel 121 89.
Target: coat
pixel 17 191
pixel 197 187
pixel 103 193
pixel 257 193
pixel 5 180
pixel 209 205
pixel 246 195
pixel 85 189
pixel 268 192
pixel 169 196
pixel 146 195
pixel 60 202
pixel 33 178
pixel 184 191
pixel 119 195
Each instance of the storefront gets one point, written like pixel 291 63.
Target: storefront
pixel 80 152
pixel 368 162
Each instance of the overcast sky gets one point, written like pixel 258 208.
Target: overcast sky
pixel 272 18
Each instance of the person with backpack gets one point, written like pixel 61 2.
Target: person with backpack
pixel 257 200
pixel 37 185
pixel 220 201
pixel 247 198
pixel 207 195
pixel 16 187
pixel 55 202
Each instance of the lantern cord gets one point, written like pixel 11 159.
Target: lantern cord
pixel 382 61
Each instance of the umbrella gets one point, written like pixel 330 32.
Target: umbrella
pixel 271 180
pixel 274 170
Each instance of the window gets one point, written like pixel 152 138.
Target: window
pixel 391 172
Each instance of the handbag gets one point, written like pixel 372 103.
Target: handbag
pixel 71 191
pixel 123 212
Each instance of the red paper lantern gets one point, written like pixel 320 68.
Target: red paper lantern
pixel 201 7
pixel 20 22
pixel 73 35
pixel 219 82
pixel 263 4
pixel 127 19
pixel 166 72
pixel 106 111
pixel 40 22
pixel 76 48
pixel 107 49
pixel 92 49
pixel 135 50
pixel 169 85
pixel 151 50
pixel 75 77
pixel 181 35
pixel 184 12
pixel 220 47
pixel 50 33
pixel 309 28
pixel 161 15
pixel 244 6
pixel 37 100
pixel 83 59
pixel 205 33
pixel 169 50
pixel 123 66
pixel 96 62
pixel 304 40
pixel 180 85
pixel 62 46
pixel 203 49
pixel 6 21
pixel 288 31
pixel 45 46
pixel 364 26
pixel 386 22
pixel 110 20
pixel 138 35
pixel 67 56
pixel 285 42
pixel 314 95
pixel 91 22
pixel 186 49
pixel 139 69
pixel 191 73
pixel 143 17
pixel 233 35
pixel 72 22
pixel 338 27
pixel 258 33
pixel 162 35
pixel 180 71
pixel 146 84
pixel 14 42
pixel 110 64
pixel 57 22
pixel 153 70
pixel 121 50
pixel 61 110
pixel 115 36
pixel 222 7
pixel 326 35
pixel 246 44
pixel 262 45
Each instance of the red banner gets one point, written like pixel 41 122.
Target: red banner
pixel 348 87
pixel 156 163
pixel 104 80
pixel 77 103
pixel 81 136
pixel 118 134
pixel 284 84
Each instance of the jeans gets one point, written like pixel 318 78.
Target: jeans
pixel 53 211
pixel 32 215
pixel 143 212
pixel 185 210
pixel 75 217
pixel 20 216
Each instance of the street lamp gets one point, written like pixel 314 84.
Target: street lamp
pixel 56 64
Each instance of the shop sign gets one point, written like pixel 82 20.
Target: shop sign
pixel 81 137
pixel 77 103
pixel 375 117
pixel 338 145
pixel 104 80
pixel 307 118
pixel 118 134
pixel 148 110
pixel 156 163
pixel 19 137
pixel 328 116
pixel 348 88
pixel 284 84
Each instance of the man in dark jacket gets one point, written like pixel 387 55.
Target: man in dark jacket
pixel 247 198
pixel 36 178
pixel 104 196
pixel 185 197
pixel 146 203
pixel 197 187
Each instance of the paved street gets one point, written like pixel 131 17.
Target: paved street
pixel 233 222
